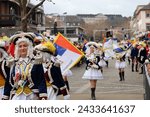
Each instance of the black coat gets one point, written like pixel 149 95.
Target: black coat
pixel 142 55
pixel 134 52
pixel 37 76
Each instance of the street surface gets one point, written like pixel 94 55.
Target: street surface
pixel 109 88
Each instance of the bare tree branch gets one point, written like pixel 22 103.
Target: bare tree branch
pixel 36 6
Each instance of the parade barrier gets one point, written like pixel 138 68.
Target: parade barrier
pixel 146 76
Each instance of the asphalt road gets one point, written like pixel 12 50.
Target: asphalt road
pixel 109 88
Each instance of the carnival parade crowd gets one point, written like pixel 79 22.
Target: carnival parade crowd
pixel 30 69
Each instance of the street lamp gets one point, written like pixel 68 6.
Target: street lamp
pixel 65 32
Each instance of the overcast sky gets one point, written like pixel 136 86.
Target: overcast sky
pixel 73 7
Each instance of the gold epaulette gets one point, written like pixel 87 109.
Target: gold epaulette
pixel 2 81
pixel 26 90
pixel 48 84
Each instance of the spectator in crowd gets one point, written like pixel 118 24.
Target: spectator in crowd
pixel 142 55
pixel 134 58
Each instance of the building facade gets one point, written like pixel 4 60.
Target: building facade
pixel 141 19
pixel 10 17
pixel 70 25
pixel 92 18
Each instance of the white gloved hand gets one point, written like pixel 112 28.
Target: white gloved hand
pixel 142 57
pixel 67 97
pixel 95 66
pixel 10 60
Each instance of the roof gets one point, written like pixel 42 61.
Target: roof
pixel 73 19
pixel 86 15
pixel 146 7
pixel 141 8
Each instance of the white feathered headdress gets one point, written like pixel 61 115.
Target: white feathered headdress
pixel 89 45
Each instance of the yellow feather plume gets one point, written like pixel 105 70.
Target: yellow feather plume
pixel 49 46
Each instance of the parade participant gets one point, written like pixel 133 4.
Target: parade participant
pixel 39 38
pixel 47 49
pixel 53 76
pixel 92 72
pixel 4 70
pixel 128 56
pixel 26 81
pixel 142 55
pixel 67 74
pixel 134 57
pixel 56 74
pixel 120 65
pixel 102 61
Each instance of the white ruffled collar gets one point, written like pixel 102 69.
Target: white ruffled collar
pixel 23 60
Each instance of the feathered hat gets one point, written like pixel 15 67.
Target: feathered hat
pixel 22 37
pixel 2 49
pixel 2 44
pixel 91 44
pixel 46 47
pixel 39 38
pixel 99 44
pixel 143 44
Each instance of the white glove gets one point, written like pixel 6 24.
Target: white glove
pixel 142 57
pixel 95 66
pixel 67 97
pixel 57 64
pixel 10 61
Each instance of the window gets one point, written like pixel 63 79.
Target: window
pixel 148 15
pixel 148 27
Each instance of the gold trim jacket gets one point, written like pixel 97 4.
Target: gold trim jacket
pixel 30 78
pixel 4 71
pixel 92 61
